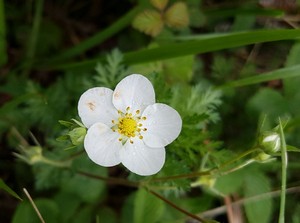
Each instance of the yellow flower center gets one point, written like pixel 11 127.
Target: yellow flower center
pixel 127 126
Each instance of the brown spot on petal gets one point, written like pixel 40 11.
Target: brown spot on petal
pixel 117 95
pixel 91 106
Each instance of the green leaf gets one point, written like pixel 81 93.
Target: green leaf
pixel 259 210
pixel 177 15
pixel 108 214
pixel 84 214
pixel 4 186
pixel 85 188
pixel 147 208
pixel 149 22
pixel 230 183
pixel 269 102
pixel 127 213
pixel 178 49
pixel 26 214
pixel 229 12
pixel 292 149
pixel 68 203
pixel 282 73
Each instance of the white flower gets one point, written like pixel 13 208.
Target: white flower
pixel 127 126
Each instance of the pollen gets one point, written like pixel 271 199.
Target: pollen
pixel 127 126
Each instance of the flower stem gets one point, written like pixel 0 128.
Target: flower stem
pixel 210 171
pixel 284 163
pixel 246 153
pixel 60 164
pixel 183 176
pixel 111 180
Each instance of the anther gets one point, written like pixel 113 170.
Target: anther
pixel 137 111
pixel 140 125
pixel 131 141
pixel 120 139
pixel 144 118
pixel 140 137
pixel 128 108
pixel 145 129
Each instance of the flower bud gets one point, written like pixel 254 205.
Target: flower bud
pixel 270 142
pixel 77 135
pixel 262 157
pixel 208 181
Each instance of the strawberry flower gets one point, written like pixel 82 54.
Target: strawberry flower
pixel 127 126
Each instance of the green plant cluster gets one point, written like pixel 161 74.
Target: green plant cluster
pixel 233 78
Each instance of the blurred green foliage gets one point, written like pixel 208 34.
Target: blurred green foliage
pixel 223 71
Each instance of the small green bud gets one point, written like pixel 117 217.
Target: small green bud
pixel 77 135
pixel 35 154
pixel 30 154
pixel 262 157
pixel 207 181
pixel 270 142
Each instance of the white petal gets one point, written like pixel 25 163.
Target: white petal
pixel 141 159
pixel 163 125
pixel 134 91
pixel 102 145
pixel 95 105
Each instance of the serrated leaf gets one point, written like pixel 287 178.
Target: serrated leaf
pixel 4 186
pixel 159 4
pixel 149 22
pixel 147 208
pixel 177 16
pixel 255 184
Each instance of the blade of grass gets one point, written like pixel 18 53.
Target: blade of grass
pixel 8 189
pixel 179 49
pixel 99 37
pixel 243 11
pixel 34 35
pixel 284 163
pixel 3 54
pixel 283 73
